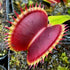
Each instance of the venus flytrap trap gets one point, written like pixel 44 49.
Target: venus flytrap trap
pixel 31 32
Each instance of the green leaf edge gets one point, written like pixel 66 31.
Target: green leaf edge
pixel 59 19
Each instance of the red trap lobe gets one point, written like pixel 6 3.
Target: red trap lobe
pixel 27 28
pixel 44 44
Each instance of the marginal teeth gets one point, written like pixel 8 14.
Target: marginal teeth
pixel 10 22
pixel 16 13
pixel 6 34
pixel 43 60
pixel 43 7
pixel 46 56
pixel 7 44
pixel 62 33
pixel 32 9
pixel 6 41
pixel 14 23
pixel 32 5
pixel 40 5
pixel 34 65
pixel 7 27
pixel 29 10
pixel 26 7
pixel 50 49
pixel 38 60
pixel 54 48
pixel 62 38
pixel 21 9
pixel 65 34
pixel 11 28
pixel 56 41
pixel 30 67
pixel 6 37
pixel 13 18
pixel 10 33
pixel 17 20
pixel 39 8
pixel 20 16
pixel 36 5
pixel 9 36
pixel 47 52
pixel 35 8
pixel 7 47
pixel 37 64
pixel 25 12
pixel 65 25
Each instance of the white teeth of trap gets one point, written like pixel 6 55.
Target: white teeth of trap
pixel 17 20
pixel 7 27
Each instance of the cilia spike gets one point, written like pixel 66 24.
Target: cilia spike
pixel 43 7
pixel 65 34
pixel 66 30
pixel 6 41
pixel 6 34
pixel 7 27
pixel 16 13
pixel 32 5
pixel 10 22
pixel 6 38
pixel 36 5
pixel 7 47
pixel 13 18
pixel 40 5
pixel 21 9
pixel 31 32
pixel 67 27
pixel 26 7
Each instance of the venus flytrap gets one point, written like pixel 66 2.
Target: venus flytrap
pixel 32 33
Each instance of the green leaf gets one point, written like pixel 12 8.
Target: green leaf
pixel 63 54
pixel 30 2
pixel 68 1
pixel 62 68
pixel 58 19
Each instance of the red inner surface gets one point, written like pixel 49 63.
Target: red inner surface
pixel 27 28
pixel 43 42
